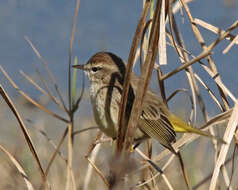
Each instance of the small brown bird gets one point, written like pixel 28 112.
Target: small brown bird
pixel 106 73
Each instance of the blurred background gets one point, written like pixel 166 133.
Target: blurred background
pixel 101 26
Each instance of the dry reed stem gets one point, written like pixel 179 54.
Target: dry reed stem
pixel 204 47
pixel 162 38
pixel 98 172
pixel 70 52
pixel 158 173
pixel 50 75
pixel 56 152
pixel 145 76
pixel 25 133
pixel 234 41
pixel 212 95
pixel 41 107
pixel 209 176
pixel 203 54
pixel 161 171
pixel 89 171
pixel 47 93
pixel 19 168
pixel 122 128
pixel 218 82
pixel 226 177
pixel 70 159
pixel 228 135
pixel 184 58
pixel 213 29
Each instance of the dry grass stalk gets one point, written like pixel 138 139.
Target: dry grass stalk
pixel 50 75
pixel 122 128
pixel 41 107
pixel 229 133
pixel 25 133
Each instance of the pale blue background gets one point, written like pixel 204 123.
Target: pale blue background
pixel 102 25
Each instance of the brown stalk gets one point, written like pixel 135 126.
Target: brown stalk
pixel 51 77
pixel 19 168
pixel 200 80
pixel 57 151
pixel 213 96
pixel 71 115
pixel 208 177
pixel 70 158
pixel 99 172
pixel 70 51
pixel 201 55
pixel 228 135
pixel 212 28
pixel 204 47
pixel 46 93
pixel 25 133
pixel 122 126
pixel 145 77
pixel 41 107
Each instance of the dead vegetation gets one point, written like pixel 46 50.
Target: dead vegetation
pixel 206 165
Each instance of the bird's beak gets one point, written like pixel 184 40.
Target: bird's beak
pixel 81 67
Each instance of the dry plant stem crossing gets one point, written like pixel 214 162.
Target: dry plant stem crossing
pixel 41 107
pixel 19 168
pixel 146 75
pixel 122 128
pixel 203 54
pixel 26 134
pixel 52 79
pixel 229 133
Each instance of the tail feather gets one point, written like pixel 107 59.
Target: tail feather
pixel 181 126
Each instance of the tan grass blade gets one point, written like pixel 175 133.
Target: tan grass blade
pixel 98 172
pixel 219 82
pixel 184 58
pixel 70 159
pixel 202 55
pixel 25 132
pixel 89 172
pixel 47 70
pixel 46 93
pixel 121 119
pixel 213 96
pixel 208 177
pixel 162 174
pixel 57 151
pixel 162 38
pixel 19 168
pixel 70 52
pixel 234 41
pixel 30 99
pixel 157 174
pixel 145 76
pixel 229 133
pixel 204 47
pixel 213 29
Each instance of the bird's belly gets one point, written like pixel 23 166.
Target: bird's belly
pixel 103 117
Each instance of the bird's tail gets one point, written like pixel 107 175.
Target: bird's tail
pixel 180 126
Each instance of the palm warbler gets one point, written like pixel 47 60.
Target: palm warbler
pixel 106 73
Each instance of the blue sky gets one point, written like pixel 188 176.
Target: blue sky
pixel 101 26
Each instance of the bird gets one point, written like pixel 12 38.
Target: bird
pixel 106 73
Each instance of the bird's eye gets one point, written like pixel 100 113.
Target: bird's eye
pixel 95 69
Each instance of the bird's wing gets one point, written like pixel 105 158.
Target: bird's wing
pixel 154 122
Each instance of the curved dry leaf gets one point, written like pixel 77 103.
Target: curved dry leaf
pixel 229 133
pixel 19 168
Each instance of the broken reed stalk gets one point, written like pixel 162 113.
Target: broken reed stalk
pixel 122 125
